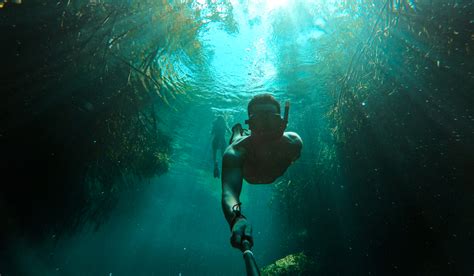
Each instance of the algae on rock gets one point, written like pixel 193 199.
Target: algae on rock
pixel 293 264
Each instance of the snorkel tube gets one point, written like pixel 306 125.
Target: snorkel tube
pixel 287 111
pixel 284 121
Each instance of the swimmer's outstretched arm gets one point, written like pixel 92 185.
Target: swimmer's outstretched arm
pixel 231 188
pixel 231 182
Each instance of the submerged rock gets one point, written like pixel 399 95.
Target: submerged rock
pixel 294 264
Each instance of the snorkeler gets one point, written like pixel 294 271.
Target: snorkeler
pixel 259 158
pixel 219 129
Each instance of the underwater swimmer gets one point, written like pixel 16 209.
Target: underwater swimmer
pixel 259 158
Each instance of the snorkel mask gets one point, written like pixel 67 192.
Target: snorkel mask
pixel 265 124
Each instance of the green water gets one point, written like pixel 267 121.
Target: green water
pixel 106 118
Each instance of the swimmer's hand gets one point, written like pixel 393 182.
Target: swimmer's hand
pixel 242 230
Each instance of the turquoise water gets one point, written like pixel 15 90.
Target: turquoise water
pixel 106 132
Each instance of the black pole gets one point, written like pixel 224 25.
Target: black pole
pixel 250 264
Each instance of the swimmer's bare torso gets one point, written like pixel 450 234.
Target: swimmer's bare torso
pixel 263 162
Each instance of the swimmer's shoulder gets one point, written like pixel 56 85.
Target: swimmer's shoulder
pixel 293 138
pixel 235 152
pixel 295 144
pixel 239 144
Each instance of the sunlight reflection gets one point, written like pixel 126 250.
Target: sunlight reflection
pixel 273 4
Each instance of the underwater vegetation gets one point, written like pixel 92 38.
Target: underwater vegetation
pixel 295 264
pixel 3 2
pixel 395 175
pixel 85 85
